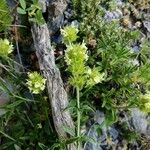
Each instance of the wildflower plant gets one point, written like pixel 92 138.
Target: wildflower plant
pixel 6 48
pixel 69 34
pixel 94 76
pixel 34 11
pixel 115 52
pixel 35 82
pixel 76 56
pixel 145 102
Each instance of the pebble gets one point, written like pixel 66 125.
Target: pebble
pixel 140 122
pixel 147 25
pixel 56 38
pixel 112 15
pixel 75 23
pixel 119 2
pixel 67 14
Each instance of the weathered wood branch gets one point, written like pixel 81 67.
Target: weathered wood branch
pixel 57 94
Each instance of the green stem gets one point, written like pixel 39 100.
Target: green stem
pixel 78 116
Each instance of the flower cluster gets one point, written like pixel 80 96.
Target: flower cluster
pixel 76 57
pixel 94 76
pixel 5 48
pixel 69 34
pixel 145 102
pixel 35 82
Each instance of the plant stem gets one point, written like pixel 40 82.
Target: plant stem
pixel 78 116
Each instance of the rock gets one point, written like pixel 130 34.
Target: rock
pixel 57 39
pixel 67 14
pixel 43 4
pixel 147 25
pixel 119 2
pixel 4 97
pixel 136 49
pixel 142 37
pixel 148 35
pixel 56 10
pixel 55 24
pixel 111 137
pixel 109 15
pixel 119 12
pixel 75 23
pixel 102 139
pixel 140 122
pixel 113 132
pixel 90 146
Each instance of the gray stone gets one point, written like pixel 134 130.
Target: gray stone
pixel 56 11
pixel 119 2
pixel 109 15
pixel 99 117
pixel 113 132
pixel 43 5
pixel 56 39
pixel 67 14
pixel 75 23
pixel 4 97
pixel 147 25
pixel 136 49
pixel 140 122
pixel 101 140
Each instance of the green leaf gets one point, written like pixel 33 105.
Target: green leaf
pixel 35 2
pixel 17 147
pixel 87 108
pixel 33 20
pixel 111 117
pixel 56 145
pixel 14 104
pixel 7 136
pixel 39 17
pixel 89 139
pixel 23 4
pixel 42 146
pixel 6 145
pixel 21 11
pixel 98 128
pixel 72 140
pixel 5 17
pixel 69 131
pixel 70 108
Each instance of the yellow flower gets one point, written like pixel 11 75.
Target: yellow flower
pixel 147 106
pixel 5 48
pixel 69 34
pixel 35 82
pixel 145 102
pixel 94 76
